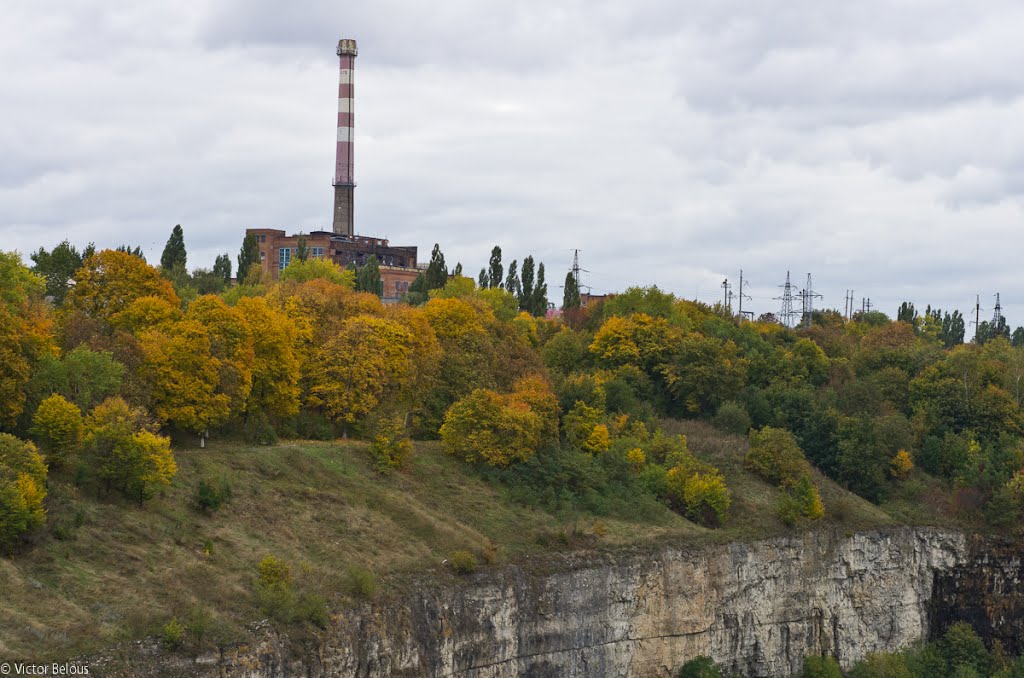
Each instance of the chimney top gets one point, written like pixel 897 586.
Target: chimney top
pixel 347 46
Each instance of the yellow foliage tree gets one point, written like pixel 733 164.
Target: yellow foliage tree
pixel 599 440
pixel 640 340
pixel 15 368
pixel 110 281
pixel 365 359
pixel 275 365
pixel 22 489
pixel 535 391
pixel 57 425
pixel 124 452
pixel 231 343
pixel 183 376
pixel 901 465
pixel 490 428
pixel 146 313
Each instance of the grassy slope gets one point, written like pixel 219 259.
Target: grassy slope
pixel 121 571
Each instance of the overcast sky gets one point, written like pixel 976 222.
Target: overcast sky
pixel 877 145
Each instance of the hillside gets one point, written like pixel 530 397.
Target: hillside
pixel 105 571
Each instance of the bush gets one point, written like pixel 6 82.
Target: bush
pixel 57 425
pixel 210 495
pixel 707 498
pixel 258 430
pixel 699 667
pixel 172 634
pixel 881 665
pixel 901 465
pixel 962 647
pixel 313 426
pixel 821 667
pixel 312 609
pixel 463 562
pixel 775 456
pixel 491 428
pixel 390 448
pixel 732 418
pixel 274 588
pixel 360 582
pixel 22 489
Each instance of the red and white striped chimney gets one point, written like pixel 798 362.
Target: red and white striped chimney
pixel 344 170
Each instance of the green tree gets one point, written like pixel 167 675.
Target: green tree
pixel 495 270
pixel 512 284
pixel 907 314
pixel 22 489
pixel 704 373
pixel 222 268
pixel 302 249
pixel 57 267
pixel 248 255
pixel 174 255
pixel 571 293
pixel 539 298
pixel 482 280
pixel 775 456
pixel 699 667
pixel 83 376
pixel 526 284
pixel 437 271
pixel 368 277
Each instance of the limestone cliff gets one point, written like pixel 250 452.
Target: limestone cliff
pixel 757 608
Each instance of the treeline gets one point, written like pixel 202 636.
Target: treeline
pixel 104 357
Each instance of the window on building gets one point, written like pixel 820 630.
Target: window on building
pixel 263 238
pixel 317 252
pixel 284 257
pixel 263 255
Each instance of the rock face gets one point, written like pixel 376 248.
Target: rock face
pixel 756 608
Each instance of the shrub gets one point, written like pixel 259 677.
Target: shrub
pixel 732 418
pixel 274 573
pixel 312 609
pixel 699 667
pixel 57 425
pixel 258 430
pixel 707 499
pixel 579 423
pixel 313 426
pixel 881 665
pixel 210 495
pixel 172 634
pixel 390 448
pixel 463 562
pixel 821 667
pixel 491 428
pixel 274 588
pixel 775 456
pixel 636 457
pixel 22 489
pixel 960 646
pixel 360 582
pixel 901 465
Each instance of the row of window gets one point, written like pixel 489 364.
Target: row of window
pixel 285 254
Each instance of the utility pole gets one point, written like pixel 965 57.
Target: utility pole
pixel 977 315
pixel 727 302
pixel 576 267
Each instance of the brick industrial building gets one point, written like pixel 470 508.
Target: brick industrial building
pixel 398 267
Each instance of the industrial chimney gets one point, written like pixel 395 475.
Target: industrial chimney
pixel 344 176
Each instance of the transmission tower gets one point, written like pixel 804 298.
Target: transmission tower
pixel 576 267
pixel 786 313
pixel 743 295
pixel 997 315
pixel 807 297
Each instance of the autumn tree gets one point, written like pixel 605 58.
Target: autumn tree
pixel 57 426
pixel 184 376
pixel 486 427
pixel 231 344
pixel 275 366
pixel 125 453
pixel 368 277
pixel 367 357
pixel 775 456
pixel 109 281
pixel 83 376
pixel 22 489
pixel 704 373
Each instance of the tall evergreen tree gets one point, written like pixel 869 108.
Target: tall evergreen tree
pixel 953 329
pixel 539 298
pixel 526 289
pixel 174 255
pixel 301 249
pixel 437 271
pixel 134 251
pixel 495 270
pixel 368 277
pixel 907 314
pixel 249 255
pixel 512 285
pixel 483 281
pixel 417 293
pixel 458 269
pixel 222 267
pixel 571 293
